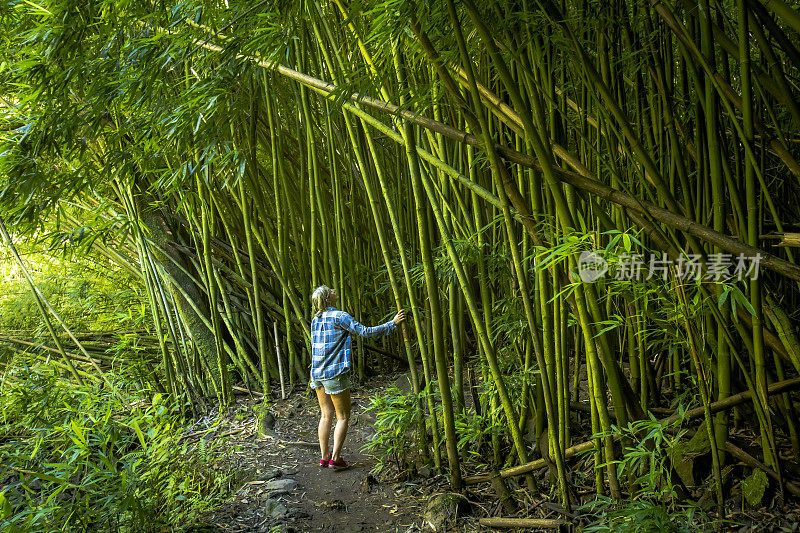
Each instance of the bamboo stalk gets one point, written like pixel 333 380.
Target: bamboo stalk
pixel 433 292
pixel 515 523
pixel 278 358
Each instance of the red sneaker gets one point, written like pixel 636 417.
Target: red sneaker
pixel 323 463
pixel 341 464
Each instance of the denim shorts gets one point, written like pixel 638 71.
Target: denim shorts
pixel 335 385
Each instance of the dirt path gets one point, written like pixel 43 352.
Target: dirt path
pixel 281 487
pixel 284 489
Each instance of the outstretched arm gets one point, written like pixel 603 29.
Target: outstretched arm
pixel 350 324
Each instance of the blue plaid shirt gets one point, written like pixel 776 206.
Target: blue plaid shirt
pixel 330 341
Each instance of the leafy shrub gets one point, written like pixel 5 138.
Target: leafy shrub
pixel 652 506
pixel 395 428
pixel 472 431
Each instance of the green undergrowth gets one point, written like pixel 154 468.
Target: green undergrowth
pixel 394 442
pixel 652 504
pixel 646 468
pixel 88 458
pixel 395 421
pixel 108 454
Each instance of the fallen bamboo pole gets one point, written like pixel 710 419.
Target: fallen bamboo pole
pixel 736 399
pixel 541 523
pixel 722 405
pixel 752 462
pixel 245 390
pixel 71 355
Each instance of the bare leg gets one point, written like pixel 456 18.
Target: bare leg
pixel 325 421
pixel 341 402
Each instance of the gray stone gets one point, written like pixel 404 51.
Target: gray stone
pixel 529 431
pixel 270 474
pixel 287 471
pixel 403 383
pixel 275 509
pixel 280 486
pixel 367 418
pixel 266 423
pixel 443 509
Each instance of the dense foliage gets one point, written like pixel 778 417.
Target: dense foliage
pixel 460 159
pixel 106 455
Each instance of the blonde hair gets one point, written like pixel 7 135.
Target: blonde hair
pixel 321 299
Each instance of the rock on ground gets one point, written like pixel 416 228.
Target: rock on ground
pixel 444 509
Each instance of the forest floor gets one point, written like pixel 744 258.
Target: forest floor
pixel 284 488
pixel 280 486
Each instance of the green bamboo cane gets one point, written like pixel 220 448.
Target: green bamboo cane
pixel 770 454
pixel 433 290
pixel 702 382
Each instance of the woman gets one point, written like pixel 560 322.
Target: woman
pixel 330 367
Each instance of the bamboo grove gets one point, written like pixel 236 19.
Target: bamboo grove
pixel 452 158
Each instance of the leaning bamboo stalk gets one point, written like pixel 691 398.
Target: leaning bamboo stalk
pixel 150 273
pixel 204 320
pixel 718 206
pixel 501 178
pixel 169 367
pixel 39 302
pixel 71 355
pixel 227 317
pixel 610 194
pixel 255 300
pixel 207 270
pixel 784 11
pixel 766 429
pixel 702 382
pixel 598 395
